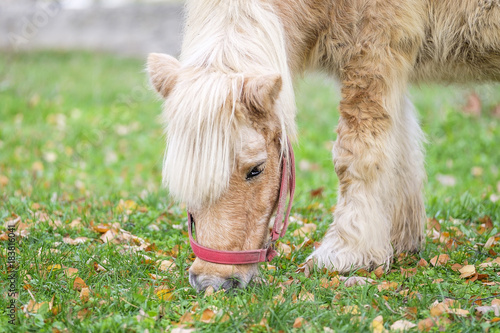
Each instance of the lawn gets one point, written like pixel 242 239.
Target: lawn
pixel 100 247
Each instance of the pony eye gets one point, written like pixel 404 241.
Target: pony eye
pixel 257 170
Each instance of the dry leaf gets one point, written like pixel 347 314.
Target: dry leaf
pixel 102 228
pixel 284 249
pixel 408 272
pixel 166 265
pixel 182 330
pixel 76 224
pixel 355 280
pixel 305 230
pixel 76 241
pixel 490 242
pixel 422 263
pixel 299 322
pixel 467 271
pixel 440 260
pixel 379 271
pixel 207 316
pixel 79 284
pixel 473 106
pixel 316 193
pixel 385 285
pixel 84 295
pixel 446 180
pixel 402 325
pixel 70 272
pixel 109 236
pixel 127 206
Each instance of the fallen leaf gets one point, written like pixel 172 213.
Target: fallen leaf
pixel 53 267
pixel 402 325
pixel 379 271
pixel 355 280
pixel 446 180
pixel 207 316
pixel 164 294
pixel 440 260
pixel 79 284
pixel 385 285
pixel 102 228
pixel 166 265
pixel 408 272
pixel 377 325
pixel 182 330
pixel 467 271
pixel 84 295
pixel 473 106
pixel 76 241
pixel 127 206
pixel 305 230
pixel 109 236
pixel 316 193
pixel 422 263
pixel 70 272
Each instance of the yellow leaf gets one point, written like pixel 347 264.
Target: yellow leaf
pixel 53 267
pixel 378 325
pixel 127 206
pixel 164 294
pixel 351 309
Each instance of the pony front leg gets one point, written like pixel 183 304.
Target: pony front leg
pixel 366 156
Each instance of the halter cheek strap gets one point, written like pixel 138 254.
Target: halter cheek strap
pixel 287 187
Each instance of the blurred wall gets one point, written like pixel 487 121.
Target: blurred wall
pixel 128 27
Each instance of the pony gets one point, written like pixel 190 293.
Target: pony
pixel 229 111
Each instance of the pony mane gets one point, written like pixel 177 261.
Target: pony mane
pixel 225 40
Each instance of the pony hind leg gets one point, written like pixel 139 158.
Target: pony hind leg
pixel 374 177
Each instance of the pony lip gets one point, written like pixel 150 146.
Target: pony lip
pixel 279 229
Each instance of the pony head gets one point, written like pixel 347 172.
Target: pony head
pixel 223 158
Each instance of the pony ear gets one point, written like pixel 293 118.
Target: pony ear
pixel 261 92
pixel 163 72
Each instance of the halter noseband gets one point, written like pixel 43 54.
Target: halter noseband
pixel 279 228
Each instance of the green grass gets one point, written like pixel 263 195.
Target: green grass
pixel 79 132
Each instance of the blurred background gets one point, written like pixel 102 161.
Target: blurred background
pixel 77 115
pixel 127 27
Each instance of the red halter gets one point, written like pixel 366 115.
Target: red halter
pixel 279 228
